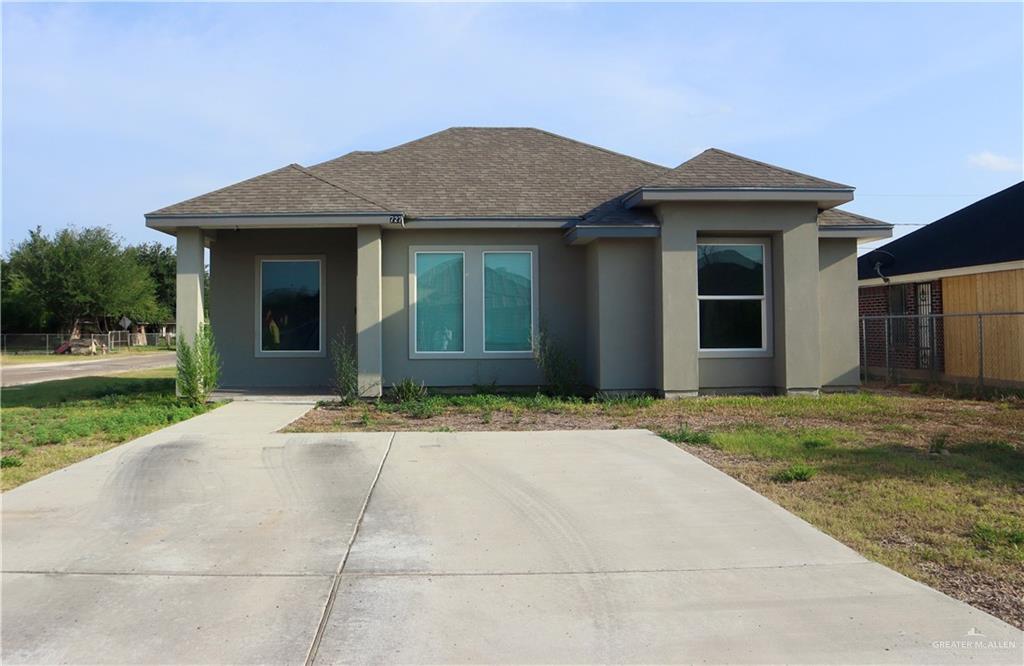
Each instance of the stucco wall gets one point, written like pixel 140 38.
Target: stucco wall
pixel 837 298
pixel 561 300
pixel 793 362
pixel 622 321
pixel 233 302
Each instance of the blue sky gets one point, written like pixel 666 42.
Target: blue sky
pixel 110 111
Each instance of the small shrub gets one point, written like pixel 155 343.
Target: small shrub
pixel 198 367
pixel 684 434
pixel 10 461
pixel 795 472
pixel 561 372
pixel 407 390
pixel 346 369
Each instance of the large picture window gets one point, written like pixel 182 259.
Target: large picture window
pixel 508 301
pixel 440 302
pixel 290 292
pixel 731 291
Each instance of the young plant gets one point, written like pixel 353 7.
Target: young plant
pixel 795 472
pixel 198 367
pixel 407 390
pixel 346 369
pixel 561 372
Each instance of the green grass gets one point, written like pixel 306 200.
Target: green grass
pixel 52 424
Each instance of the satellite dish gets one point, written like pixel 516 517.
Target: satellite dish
pixel 880 260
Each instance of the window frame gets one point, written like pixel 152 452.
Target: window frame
pixel 321 351
pixel 473 300
pixel 413 297
pixel 766 348
pixel 483 302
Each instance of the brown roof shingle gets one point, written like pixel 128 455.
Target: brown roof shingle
pixel 837 217
pixel 492 172
pixel 290 189
pixel 716 168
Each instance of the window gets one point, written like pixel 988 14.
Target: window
pixel 731 293
pixel 290 303
pixel 899 334
pixel 508 301
pixel 440 304
pixel 472 301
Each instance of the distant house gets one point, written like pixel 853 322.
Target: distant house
pixel 971 261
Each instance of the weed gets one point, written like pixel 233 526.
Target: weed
pixel 561 372
pixel 407 390
pixel 366 420
pixel 346 369
pixel 10 461
pixel 198 367
pixel 795 472
pixel 813 443
pixel 939 443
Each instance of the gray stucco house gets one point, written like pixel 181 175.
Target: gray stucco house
pixel 442 257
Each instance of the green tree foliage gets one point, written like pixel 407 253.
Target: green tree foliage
pixel 80 274
pixel 161 263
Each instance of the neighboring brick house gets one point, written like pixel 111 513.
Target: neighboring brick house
pixel 969 262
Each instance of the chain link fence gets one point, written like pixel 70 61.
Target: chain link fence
pixel 114 341
pixel 981 349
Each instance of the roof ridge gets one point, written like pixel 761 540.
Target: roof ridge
pixel 772 166
pixel 309 173
pixel 590 145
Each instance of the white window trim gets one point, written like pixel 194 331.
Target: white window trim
pixel 473 301
pixel 321 351
pixel 412 305
pixel 483 309
pixel 765 350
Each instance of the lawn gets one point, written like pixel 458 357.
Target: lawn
pixel 23 359
pixel 931 486
pixel 50 425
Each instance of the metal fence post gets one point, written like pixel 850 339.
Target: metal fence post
pixel 864 349
pixel 888 371
pixel 981 352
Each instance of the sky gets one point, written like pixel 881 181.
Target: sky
pixel 114 110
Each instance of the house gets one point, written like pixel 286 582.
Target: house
pixel 971 261
pixel 444 257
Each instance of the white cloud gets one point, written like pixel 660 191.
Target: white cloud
pixel 991 162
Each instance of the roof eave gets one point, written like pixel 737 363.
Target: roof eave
pixel 862 232
pixel 581 234
pixel 825 197
pixel 169 223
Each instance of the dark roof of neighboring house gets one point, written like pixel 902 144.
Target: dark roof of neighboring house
pixel 487 172
pixel 989 231
pixel 716 168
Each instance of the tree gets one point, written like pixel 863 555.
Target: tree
pixel 82 273
pixel 161 263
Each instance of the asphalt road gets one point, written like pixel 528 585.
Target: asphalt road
pixel 17 375
pixel 219 540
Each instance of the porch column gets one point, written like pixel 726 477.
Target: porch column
pixel 368 310
pixel 676 327
pixel 797 317
pixel 189 303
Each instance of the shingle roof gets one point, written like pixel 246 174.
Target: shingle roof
pixel 717 168
pixel 837 217
pixel 492 172
pixel 482 172
pixel 290 189
pixel 989 231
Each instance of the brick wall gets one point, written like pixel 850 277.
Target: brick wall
pixel 904 352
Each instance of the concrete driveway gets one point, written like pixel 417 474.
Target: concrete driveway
pixel 215 541
pixel 33 373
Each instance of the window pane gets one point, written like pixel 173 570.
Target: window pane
pixel 731 324
pixel 730 270
pixel 439 278
pixel 508 295
pixel 290 292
